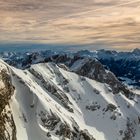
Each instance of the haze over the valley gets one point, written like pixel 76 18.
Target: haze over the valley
pixel 92 24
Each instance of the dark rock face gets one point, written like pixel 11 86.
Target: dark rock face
pixel 49 121
pixel 95 70
pixel 62 129
pixel 111 107
pixel 6 118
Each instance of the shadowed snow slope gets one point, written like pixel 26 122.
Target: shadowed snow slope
pixel 50 103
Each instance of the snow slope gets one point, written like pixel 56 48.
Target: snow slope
pixel 52 103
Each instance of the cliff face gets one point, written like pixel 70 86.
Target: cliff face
pixel 7 125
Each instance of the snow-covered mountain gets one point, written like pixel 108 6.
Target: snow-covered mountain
pixel 65 101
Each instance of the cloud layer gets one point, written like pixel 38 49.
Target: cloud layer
pixel 110 23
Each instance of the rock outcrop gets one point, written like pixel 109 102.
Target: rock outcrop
pixel 7 125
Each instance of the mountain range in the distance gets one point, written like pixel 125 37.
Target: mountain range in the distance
pixel 125 65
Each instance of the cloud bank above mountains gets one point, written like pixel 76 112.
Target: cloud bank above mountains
pixel 111 24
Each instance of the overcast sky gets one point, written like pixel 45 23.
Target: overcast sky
pixel 94 24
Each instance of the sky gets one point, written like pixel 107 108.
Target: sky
pixel 75 24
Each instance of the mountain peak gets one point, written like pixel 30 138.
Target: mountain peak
pixel 136 51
